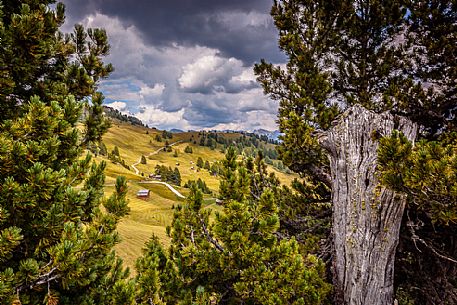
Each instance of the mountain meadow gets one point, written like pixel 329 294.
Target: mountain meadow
pixel 352 201
pixel 153 214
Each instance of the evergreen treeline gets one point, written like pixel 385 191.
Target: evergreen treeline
pixel 265 138
pixel 200 184
pixel 167 135
pixel 115 157
pixel 213 168
pixel 116 114
pixel 212 139
pixel 248 144
pixel 168 174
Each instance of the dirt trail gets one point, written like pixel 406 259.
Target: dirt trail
pixel 137 172
pixel 177 193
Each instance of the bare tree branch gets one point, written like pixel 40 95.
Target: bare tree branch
pixel 210 238
pixel 411 225
pixel 42 279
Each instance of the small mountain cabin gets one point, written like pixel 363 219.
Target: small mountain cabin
pixel 155 176
pixel 143 194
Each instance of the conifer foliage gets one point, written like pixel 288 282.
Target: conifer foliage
pixel 385 56
pixel 237 259
pixel 57 230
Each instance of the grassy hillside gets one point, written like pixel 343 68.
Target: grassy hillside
pixel 152 215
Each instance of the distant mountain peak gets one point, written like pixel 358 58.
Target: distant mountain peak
pixel 261 130
pixel 272 135
pixel 176 130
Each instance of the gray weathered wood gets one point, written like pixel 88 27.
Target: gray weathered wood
pixel 366 216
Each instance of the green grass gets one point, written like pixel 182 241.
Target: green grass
pixel 153 215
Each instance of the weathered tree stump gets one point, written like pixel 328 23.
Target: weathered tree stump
pixel 366 216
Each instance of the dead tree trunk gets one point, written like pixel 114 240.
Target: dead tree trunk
pixel 366 216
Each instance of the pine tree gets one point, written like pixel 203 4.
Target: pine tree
pixel 200 162
pixel 143 159
pixel 202 140
pixel 214 168
pixel 167 135
pixel 115 151
pixel 233 183
pixel 176 176
pixel 207 166
pixel 357 70
pixel 95 124
pixel 57 231
pixel 200 184
pixel 103 151
pixel 238 258
pixel 148 283
pixel 188 150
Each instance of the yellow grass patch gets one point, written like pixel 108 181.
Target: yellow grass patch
pixel 153 215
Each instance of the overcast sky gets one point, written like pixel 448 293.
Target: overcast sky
pixel 185 63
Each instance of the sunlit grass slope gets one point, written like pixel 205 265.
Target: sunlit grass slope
pixel 152 215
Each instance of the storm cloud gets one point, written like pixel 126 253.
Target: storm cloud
pixel 238 28
pixel 185 63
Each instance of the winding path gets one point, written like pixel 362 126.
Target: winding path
pixel 137 172
pixel 166 184
pixel 175 191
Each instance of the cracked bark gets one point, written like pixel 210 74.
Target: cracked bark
pixel 366 216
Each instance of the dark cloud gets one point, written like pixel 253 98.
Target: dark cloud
pixel 234 27
pixel 210 113
pixel 250 108
pixel 186 63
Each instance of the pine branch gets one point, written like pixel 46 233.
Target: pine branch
pixel 210 238
pixel 42 279
pixel 415 238
pixel 256 197
pixel 434 250
pixel 320 174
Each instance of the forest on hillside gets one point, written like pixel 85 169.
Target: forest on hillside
pixel 367 112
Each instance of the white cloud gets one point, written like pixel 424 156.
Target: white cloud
pixel 246 76
pixel 156 90
pixel 166 120
pixel 133 58
pixel 251 121
pixel 119 89
pixel 121 106
pixel 208 72
pixel 131 90
pixel 245 80
pixel 214 73
pixel 186 87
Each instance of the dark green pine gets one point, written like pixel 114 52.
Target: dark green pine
pixel 57 230
pixel 395 56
